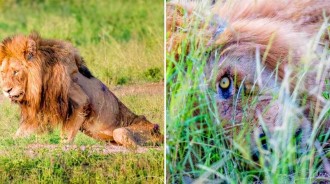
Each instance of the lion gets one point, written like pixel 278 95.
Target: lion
pixel 279 33
pixel 259 57
pixel 52 85
pixel 237 33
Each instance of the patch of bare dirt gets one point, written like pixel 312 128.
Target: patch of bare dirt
pixel 32 149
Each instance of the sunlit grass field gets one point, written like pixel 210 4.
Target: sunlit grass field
pixel 201 148
pixel 122 44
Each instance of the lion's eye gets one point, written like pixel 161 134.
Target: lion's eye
pixel 225 87
pixel 15 72
pixel 224 83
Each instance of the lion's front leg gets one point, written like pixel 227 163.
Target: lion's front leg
pixel 81 108
pixel 26 129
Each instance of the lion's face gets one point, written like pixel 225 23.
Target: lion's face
pixel 13 79
pixel 236 82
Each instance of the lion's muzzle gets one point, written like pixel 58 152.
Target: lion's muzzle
pixel 15 95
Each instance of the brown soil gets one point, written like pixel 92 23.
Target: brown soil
pixel 32 149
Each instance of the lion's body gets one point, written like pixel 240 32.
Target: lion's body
pixel 53 86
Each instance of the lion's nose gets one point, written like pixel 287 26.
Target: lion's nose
pixel 7 90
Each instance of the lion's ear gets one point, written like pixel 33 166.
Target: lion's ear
pixel 31 50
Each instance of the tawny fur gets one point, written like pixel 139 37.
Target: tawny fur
pixel 52 85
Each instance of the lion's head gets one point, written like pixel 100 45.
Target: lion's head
pixel 31 72
pixel 252 48
pixel 13 79
pixel 20 68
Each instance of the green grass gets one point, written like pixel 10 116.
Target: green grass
pixel 122 44
pixel 201 147
pixel 57 166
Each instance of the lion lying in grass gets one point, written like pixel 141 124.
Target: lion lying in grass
pixel 254 46
pixel 252 76
pixel 50 82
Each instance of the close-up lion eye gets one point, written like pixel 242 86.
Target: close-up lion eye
pixel 224 87
pixel 15 72
pixel 224 83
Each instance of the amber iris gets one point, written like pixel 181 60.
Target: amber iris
pixel 224 83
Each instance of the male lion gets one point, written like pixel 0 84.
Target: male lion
pixel 239 35
pixel 262 68
pixel 50 82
